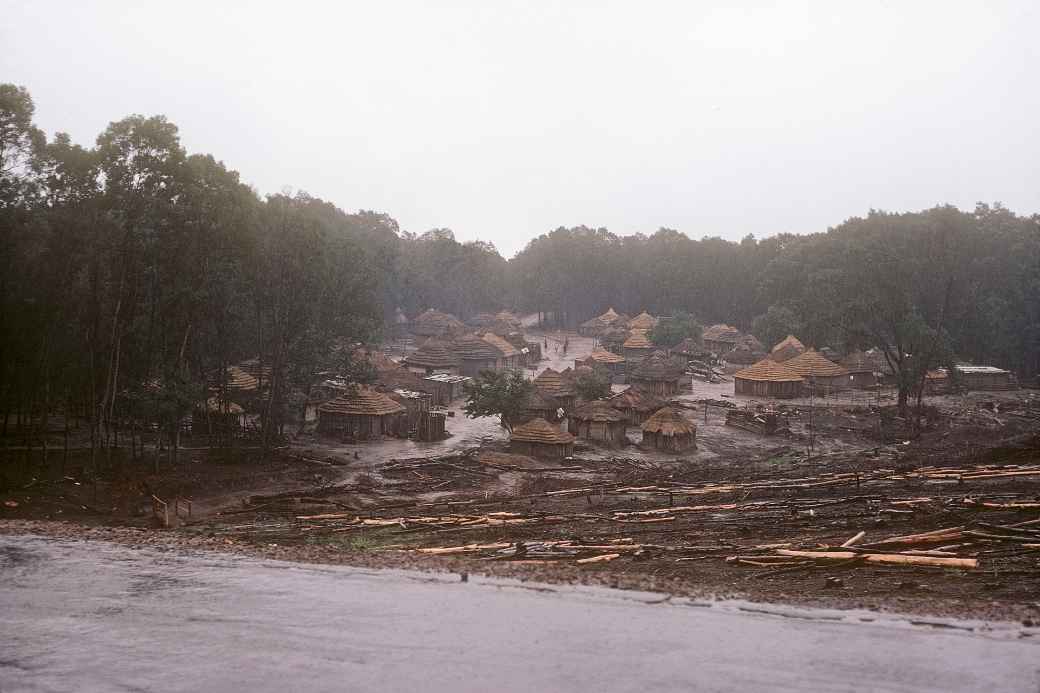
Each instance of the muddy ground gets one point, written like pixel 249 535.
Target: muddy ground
pixel 715 521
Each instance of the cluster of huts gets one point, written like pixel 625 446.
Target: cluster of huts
pixel 555 418
pixel 793 370
pixel 409 398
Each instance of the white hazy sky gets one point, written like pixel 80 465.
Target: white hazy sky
pixel 504 120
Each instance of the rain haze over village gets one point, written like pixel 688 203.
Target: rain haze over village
pixel 466 346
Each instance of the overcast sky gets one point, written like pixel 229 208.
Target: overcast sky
pixel 505 120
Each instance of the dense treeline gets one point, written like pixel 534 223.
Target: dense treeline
pixel 133 274
pixel 926 287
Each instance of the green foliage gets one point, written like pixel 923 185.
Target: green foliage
pixel 594 385
pixel 501 394
pixel 775 324
pixel 670 332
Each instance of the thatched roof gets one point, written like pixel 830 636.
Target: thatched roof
pixel 813 364
pixel 473 347
pixel 507 349
pixel 434 322
pixel 721 333
pixel 554 383
pixel 744 353
pixel 239 379
pixel 669 422
pixel 401 379
pixel 658 367
pixel 635 398
pixel 643 321
pixel 434 353
pixel 787 349
pixel 601 355
pixel 688 347
pixel 769 370
pixel 539 430
pixel 637 339
pixel 362 401
pixel 597 410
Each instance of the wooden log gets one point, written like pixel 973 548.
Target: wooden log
pixel 602 558
pixel 854 539
pixel 885 558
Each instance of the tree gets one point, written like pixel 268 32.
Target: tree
pixel 501 394
pixel 670 332
pixel 776 323
pixel 594 385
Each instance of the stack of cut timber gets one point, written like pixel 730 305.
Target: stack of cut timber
pixel 763 423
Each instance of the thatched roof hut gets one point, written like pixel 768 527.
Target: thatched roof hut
pixel 540 406
pixel 657 374
pixel 767 378
pixel 595 326
pixel 613 339
pixel 241 380
pixel 434 356
pixel 689 348
pixel 818 371
pixel 720 338
pixel 636 404
pixel 400 379
pixel 507 350
pixel 601 356
pixel 598 420
pixel 812 364
pixel 434 323
pixel 361 412
pixel 637 347
pixel 744 354
pixel 787 349
pixel 539 438
pixel 557 387
pixel 643 321
pixel 670 431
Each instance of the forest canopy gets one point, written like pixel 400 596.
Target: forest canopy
pixel 132 269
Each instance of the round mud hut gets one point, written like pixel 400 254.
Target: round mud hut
pixel 559 389
pixel 434 356
pixel 601 358
pixel 768 378
pixel 539 438
pixel 787 349
pixel 643 321
pixel 434 323
pixel 598 421
pixel 819 372
pixel 636 348
pixel 613 339
pixel 636 405
pixel 669 431
pixel 658 375
pixel 361 413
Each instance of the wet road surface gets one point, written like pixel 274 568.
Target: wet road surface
pixel 92 616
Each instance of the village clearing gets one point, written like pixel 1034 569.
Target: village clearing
pixel 846 511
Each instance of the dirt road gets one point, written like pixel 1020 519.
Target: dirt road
pixel 102 617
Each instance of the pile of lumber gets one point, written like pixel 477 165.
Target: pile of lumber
pixel 768 423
